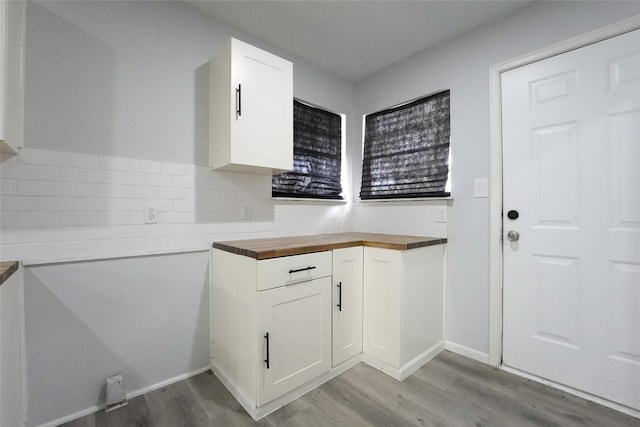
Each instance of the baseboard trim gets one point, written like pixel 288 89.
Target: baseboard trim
pixel 263 411
pixel 467 351
pixel 96 408
pixel 599 400
pixel 408 368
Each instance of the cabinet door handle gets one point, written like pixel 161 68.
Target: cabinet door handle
pixel 238 101
pixel 339 305
pixel 266 337
pixel 301 269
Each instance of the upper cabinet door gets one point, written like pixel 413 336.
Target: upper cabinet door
pixel 251 110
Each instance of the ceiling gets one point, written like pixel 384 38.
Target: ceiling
pixel 355 38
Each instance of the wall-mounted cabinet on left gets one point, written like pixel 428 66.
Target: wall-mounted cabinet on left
pixel 12 53
pixel 250 110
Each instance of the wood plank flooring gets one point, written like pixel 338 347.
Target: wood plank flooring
pixel 451 390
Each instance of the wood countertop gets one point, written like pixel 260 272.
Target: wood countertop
pixel 7 268
pixel 297 245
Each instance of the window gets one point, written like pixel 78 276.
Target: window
pixel 406 150
pixel 317 150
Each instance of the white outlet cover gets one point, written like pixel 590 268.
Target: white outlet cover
pixel 245 212
pixel 150 213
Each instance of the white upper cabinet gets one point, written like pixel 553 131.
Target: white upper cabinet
pixel 251 110
pixel 12 35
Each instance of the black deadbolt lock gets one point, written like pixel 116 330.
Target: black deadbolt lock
pixel 513 214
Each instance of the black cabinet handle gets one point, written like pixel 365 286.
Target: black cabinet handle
pixel 339 296
pixel 301 269
pixel 239 101
pixel 266 336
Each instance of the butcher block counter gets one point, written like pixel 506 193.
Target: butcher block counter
pixel 285 246
pixel 7 268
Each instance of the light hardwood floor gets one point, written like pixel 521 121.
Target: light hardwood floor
pixel 451 390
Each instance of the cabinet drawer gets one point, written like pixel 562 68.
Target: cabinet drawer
pixel 276 272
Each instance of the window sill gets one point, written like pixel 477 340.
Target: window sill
pixel 303 200
pixel 417 199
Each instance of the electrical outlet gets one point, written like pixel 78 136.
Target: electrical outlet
pixel 150 214
pixel 442 214
pixel 245 212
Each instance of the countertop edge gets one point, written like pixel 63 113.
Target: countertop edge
pixel 339 244
pixel 7 268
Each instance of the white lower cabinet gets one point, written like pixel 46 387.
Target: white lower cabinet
pixel 246 305
pixel 282 326
pixel 403 308
pixel 295 328
pixel 347 304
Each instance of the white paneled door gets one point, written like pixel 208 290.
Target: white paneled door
pixel 571 182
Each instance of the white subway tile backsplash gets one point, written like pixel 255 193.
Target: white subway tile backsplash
pixel 80 189
pixel 93 204
pixel 184 205
pixel 58 204
pixel 18 203
pixel 125 205
pixel 114 190
pixel 19 235
pixel 94 175
pixel 37 251
pixel 142 192
pixel 158 180
pixel 16 171
pixel 177 193
pixel 58 173
pixel 184 181
pixel 39 157
pixel 37 188
pixel 113 218
pixel 147 166
pixel 8 252
pixel 8 186
pixel 8 220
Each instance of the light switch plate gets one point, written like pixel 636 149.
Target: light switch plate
pixel 442 214
pixel 481 187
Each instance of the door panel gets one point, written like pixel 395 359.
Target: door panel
pixel 571 135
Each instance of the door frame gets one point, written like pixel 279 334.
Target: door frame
pixel 495 159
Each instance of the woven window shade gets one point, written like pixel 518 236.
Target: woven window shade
pixel 406 150
pixel 317 145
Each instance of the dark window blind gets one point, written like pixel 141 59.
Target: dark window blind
pixel 317 145
pixel 406 150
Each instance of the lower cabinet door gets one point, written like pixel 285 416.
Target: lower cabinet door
pixel 295 337
pixel 347 303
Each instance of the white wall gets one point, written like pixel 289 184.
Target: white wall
pixel 146 318
pixel 116 117
pixel 462 65
pixel 11 365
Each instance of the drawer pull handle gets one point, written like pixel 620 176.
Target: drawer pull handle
pixel 302 269
pixel 266 336
pixel 339 305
